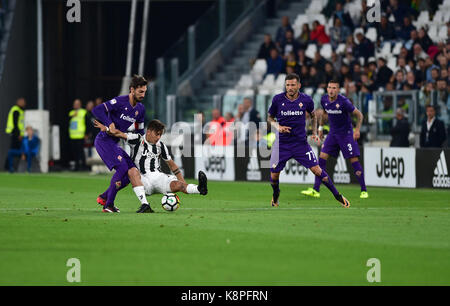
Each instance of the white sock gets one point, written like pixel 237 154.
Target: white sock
pixel 192 188
pixel 140 193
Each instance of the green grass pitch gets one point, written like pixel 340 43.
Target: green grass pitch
pixel 230 237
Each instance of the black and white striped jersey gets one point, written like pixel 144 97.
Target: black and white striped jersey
pixel 146 155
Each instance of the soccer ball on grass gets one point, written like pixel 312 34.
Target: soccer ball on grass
pixel 170 202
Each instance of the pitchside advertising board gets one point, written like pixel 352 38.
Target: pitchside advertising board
pixel 216 161
pixel 390 167
pixel 433 168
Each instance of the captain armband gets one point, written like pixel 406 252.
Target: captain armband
pixel 176 171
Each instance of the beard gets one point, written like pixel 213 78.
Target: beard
pixel 136 98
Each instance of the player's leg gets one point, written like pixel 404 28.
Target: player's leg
pixel 329 147
pixel 147 182
pixel 315 191
pixel 101 199
pixel 326 180
pixel 278 159
pixel 201 188
pixel 275 183
pixel 138 187
pixel 359 172
pixel 305 156
pixel 350 150
pixel 114 186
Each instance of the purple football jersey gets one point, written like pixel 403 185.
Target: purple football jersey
pixel 124 115
pixel 339 114
pixel 292 114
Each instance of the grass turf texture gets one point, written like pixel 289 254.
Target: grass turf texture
pixel 230 237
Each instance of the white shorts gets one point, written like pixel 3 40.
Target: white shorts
pixel 157 182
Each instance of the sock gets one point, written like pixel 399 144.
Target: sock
pixel 192 188
pixel 124 183
pixel 357 167
pixel 140 193
pixel 276 189
pixel 116 183
pixel 329 184
pixel 322 165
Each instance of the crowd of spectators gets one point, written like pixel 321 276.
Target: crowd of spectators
pixel 422 64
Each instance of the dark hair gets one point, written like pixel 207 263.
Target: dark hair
pixel 137 81
pixel 292 76
pixel 334 81
pixel 432 106
pixel 156 125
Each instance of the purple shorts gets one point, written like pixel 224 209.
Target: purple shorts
pixel 111 153
pixel 333 143
pixel 302 153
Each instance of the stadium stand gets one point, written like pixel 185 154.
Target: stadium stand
pixel 431 29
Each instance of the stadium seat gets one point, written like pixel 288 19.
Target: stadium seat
pixel 392 63
pixel 279 83
pixel 340 49
pixel 301 19
pixel 311 50
pixel 397 48
pixel 424 18
pixel 371 34
pixel 309 91
pixel 245 82
pixel 433 32
pixel 326 51
pixel 269 82
pixel 443 33
pixel 438 18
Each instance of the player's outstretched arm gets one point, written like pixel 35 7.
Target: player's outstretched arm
pixel 360 117
pixel 109 130
pixel 175 170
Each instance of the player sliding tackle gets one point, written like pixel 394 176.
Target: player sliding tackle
pixel 145 153
pixel 289 109
pixel 341 136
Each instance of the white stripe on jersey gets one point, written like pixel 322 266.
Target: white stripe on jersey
pixel 146 155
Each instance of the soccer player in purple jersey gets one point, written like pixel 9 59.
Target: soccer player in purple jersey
pixel 287 115
pixel 121 113
pixel 341 135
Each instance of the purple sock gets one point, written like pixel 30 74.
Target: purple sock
pixel 317 181
pixel 329 184
pixel 358 169
pixel 276 189
pixel 124 183
pixel 116 183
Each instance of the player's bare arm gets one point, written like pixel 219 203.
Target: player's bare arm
pixel 360 117
pixel 175 170
pixel 113 132
pixel 277 126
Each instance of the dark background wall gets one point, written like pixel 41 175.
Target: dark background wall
pixel 84 60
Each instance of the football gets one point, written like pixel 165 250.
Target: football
pixel 170 202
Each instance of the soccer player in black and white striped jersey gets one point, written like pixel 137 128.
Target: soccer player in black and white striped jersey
pixel 146 152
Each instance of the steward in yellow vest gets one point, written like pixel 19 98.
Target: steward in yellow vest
pixel 77 131
pixel 15 123
pixel 77 123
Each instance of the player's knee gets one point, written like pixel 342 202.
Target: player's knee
pixel 176 186
pixel 325 179
pixel 133 173
pixel 358 173
pixel 118 184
